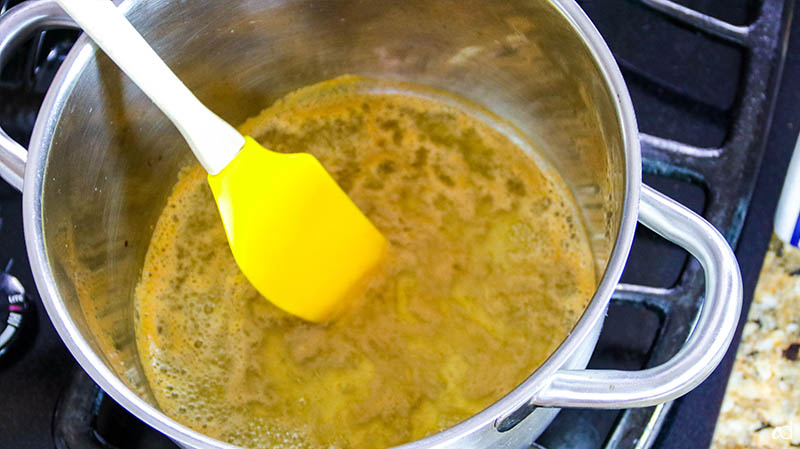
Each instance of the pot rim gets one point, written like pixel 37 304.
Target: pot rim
pixel 592 318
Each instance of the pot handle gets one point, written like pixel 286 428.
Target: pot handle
pixel 705 347
pixel 16 25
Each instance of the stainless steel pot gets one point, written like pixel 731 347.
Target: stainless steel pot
pixel 96 172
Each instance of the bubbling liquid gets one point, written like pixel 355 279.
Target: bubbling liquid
pixel 488 269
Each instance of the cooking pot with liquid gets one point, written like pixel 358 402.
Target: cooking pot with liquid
pixel 95 175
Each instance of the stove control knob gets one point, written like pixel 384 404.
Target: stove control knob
pixel 13 304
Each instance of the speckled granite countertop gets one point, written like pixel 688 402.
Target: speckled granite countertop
pixel 761 408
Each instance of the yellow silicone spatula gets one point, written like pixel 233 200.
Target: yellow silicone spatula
pixel 294 233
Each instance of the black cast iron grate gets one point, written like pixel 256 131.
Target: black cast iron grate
pixel 703 85
pixel 710 163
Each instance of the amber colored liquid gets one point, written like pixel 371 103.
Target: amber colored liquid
pixel 489 269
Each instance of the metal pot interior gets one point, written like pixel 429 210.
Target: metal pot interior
pixel 113 157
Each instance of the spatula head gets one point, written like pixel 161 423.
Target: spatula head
pixel 296 236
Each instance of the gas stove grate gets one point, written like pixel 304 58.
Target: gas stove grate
pixel 726 174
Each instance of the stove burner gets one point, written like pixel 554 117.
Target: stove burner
pixel 86 418
pixel 14 305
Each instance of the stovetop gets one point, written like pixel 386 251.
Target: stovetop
pixel 703 75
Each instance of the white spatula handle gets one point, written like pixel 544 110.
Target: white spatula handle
pixel 214 142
